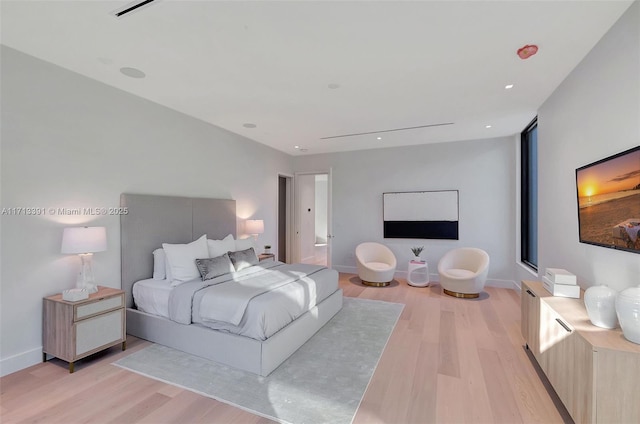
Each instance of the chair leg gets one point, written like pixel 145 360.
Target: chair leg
pixel 461 295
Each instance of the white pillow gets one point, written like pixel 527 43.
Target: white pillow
pixel 182 259
pixel 159 264
pixel 167 269
pixel 220 247
pixel 244 244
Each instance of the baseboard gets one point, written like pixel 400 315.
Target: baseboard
pixel 345 269
pixel 20 361
pixel 502 284
pixel 435 277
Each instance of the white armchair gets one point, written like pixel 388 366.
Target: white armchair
pixel 463 272
pixel 376 264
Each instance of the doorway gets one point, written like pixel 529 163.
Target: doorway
pixel 313 218
pixel 285 215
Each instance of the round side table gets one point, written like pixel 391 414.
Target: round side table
pixel 418 274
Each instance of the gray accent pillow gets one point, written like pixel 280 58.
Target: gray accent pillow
pixel 243 258
pixel 214 267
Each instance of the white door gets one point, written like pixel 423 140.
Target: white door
pixel 313 218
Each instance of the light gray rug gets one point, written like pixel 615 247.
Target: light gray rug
pixel 322 382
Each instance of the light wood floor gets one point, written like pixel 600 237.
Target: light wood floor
pixel 448 361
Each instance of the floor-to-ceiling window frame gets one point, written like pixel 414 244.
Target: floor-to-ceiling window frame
pixel 529 195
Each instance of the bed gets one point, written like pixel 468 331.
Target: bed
pixel 152 220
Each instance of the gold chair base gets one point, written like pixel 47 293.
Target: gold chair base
pixel 369 283
pixel 461 295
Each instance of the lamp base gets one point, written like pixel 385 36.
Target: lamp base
pixel 85 277
pixel 91 288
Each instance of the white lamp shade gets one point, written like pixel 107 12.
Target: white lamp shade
pixel 84 240
pixel 254 226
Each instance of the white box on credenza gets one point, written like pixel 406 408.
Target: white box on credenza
pixel 73 295
pixel 560 276
pixel 562 290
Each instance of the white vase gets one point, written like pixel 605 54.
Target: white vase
pixel 628 310
pixel 600 302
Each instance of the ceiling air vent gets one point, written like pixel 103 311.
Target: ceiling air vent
pixel 131 7
pixel 386 131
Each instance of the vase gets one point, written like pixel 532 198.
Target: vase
pixel 600 302
pixel 628 310
pixel 416 258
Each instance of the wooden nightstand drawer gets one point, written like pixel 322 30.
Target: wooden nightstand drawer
pixel 99 331
pixel 102 305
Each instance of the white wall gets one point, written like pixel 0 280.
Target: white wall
pixel 481 170
pixel 593 114
pixel 68 141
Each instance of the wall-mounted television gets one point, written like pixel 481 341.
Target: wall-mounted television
pixel 609 201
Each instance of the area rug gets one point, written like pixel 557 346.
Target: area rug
pixel 322 382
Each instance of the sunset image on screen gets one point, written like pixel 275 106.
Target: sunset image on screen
pixel 618 174
pixel 609 201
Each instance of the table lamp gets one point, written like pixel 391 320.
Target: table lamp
pixel 85 241
pixel 254 227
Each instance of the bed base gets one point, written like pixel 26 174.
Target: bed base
pixel 255 356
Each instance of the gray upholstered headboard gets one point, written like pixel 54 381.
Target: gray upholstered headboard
pixel 153 220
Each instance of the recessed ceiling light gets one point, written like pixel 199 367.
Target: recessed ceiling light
pixel 508 86
pixel 296 147
pixel 333 86
pixel 487 126
pixel 133 72
pixel 379 138
pixel 249 125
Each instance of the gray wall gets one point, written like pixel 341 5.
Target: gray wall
pixel 593 114
pixel 69 141
pixel 482 170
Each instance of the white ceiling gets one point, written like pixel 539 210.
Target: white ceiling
pixel 269 63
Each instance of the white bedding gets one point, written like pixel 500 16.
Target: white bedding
pixel 271 311
pixel 265 315
pixel 152 296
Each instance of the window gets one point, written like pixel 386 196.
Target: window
pixel 529 195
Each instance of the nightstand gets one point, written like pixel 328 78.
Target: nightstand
pixel 74 330
pixel 266 257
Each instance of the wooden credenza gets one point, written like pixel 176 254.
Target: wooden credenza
pixel 74 330
pixel 594 371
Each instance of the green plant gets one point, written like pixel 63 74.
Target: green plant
pixel 417 250
pixel 267 246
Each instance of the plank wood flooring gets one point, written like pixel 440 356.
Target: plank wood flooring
pixel 448 361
